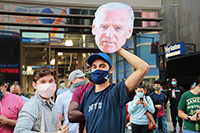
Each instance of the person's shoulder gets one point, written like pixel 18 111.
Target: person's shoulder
pixel 170 88
pixel 14 97
pixel 152 93
pixel 25 98
pixel 163 94
pixel 82 87
pixel 64 94
pixel 32 103
pixel 181 88
pixel 119 84
pixel 186 93
pixel 88 92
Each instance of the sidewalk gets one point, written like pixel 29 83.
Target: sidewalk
pixel 169 128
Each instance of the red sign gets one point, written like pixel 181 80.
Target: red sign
pixel 9 70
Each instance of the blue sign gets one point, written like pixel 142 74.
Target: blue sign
pixel 175 49
pixel 40 40
pixel 47 20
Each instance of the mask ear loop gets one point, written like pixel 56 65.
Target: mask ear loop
pixel 195 84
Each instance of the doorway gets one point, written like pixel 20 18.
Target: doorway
pixel 66 62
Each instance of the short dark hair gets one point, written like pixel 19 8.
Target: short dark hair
pixel 141 85
pixel 43 71
pixel 16 83
pixel 62 81
pixel 2 80
pixel 158 82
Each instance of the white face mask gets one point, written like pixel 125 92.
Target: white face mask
pixel 46 90
pixel 62 85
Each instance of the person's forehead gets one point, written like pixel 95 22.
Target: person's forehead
pixel 107 15
pixel 140 89
pixel 156 84
pixel 47 77
pixel 99 61
pixel 15 87
pixel 173 79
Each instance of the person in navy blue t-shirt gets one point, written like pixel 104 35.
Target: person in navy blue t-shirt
pixel 104 105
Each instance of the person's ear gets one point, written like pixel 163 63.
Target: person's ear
pixel 34 85
pixel 6 86
pixel 129 34
pixel 111 70
pixel 73 81
pixel 93 29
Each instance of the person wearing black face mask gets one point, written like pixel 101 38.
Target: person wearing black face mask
pixel 104 105
pixel 174 94
pixel 77 97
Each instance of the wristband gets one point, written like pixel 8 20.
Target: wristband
pixel 188 118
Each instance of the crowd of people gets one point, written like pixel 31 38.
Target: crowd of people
pixel 99 106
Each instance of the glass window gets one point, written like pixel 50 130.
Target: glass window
pixel 72 40
pixel 35 38
pixel 161 61
pixel 32 58
pixel 122 69
pixel 67 62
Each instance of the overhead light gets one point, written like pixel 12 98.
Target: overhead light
pixel 68 43
pixel 60 53
pixel 29 68
pixel 52 62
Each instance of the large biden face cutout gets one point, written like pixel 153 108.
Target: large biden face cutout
pixel 113 24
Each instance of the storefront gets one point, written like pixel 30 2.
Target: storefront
pixel 60 38
pixel 65 54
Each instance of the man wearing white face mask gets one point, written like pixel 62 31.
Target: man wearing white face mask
pixel 62 89
pixel 77 79
pixel 29 120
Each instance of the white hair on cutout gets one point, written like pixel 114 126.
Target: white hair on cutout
pixel 116 6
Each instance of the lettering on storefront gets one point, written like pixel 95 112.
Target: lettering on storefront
pixel 9 70
pixel 31 19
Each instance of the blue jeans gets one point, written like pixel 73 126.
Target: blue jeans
pixel 188 131
pixel 164 124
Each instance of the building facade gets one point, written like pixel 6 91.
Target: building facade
pixel 49 34
pixel 181 24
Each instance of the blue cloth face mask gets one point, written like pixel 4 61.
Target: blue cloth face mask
pixel 100 76
pixel 140 94
pixel 173 83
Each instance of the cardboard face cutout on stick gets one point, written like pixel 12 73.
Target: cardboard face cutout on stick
pixel 112 25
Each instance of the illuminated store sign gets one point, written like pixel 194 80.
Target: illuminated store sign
pixel 175 49
pixel 39 40
pixel 9 65
pixel 9 70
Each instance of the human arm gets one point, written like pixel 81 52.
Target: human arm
pixel 149 105
pixel 8 122
pixel 27 118
pixel 129 123
pixel 132 106
pixel 60 116
pixel 63 129
pixel 141 69
pixel 74 115
pixel 183 115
